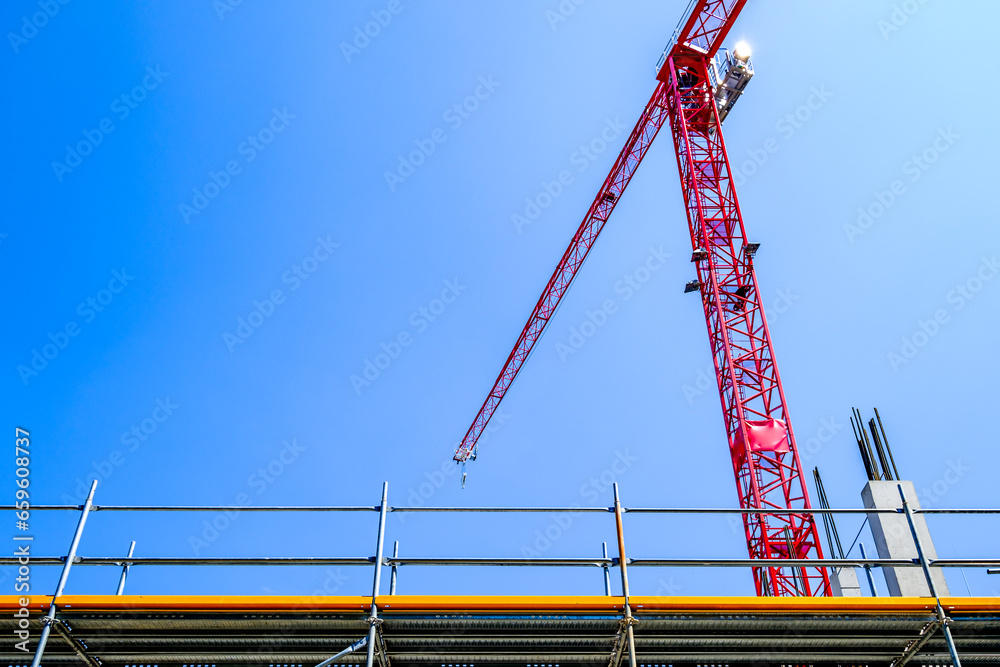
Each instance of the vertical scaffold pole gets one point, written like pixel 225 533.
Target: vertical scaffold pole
pixel 930 580
pixel 392 577
pixel 373 619
pixel 50 617
pixel 623 566
pixel 125 567
pixel 868 571
pixel 607 570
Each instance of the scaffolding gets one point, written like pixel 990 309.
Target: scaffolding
pixel 658 619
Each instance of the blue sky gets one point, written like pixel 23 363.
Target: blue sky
pixel 216 183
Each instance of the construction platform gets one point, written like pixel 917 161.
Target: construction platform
pixel 530 631
pixel 168 631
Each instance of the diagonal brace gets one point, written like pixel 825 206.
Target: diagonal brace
pixel 78 646
pixel 621 640
pixel 361 643
pixel 383 656
pixel 915 645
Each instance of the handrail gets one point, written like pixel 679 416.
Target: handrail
pixel 396 561
pixel 575 509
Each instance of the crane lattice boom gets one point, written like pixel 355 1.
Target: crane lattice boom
pixel 761 441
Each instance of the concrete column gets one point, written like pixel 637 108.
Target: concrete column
pixel 894 540
pixel 844 581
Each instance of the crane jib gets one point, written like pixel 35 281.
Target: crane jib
pixel 691 91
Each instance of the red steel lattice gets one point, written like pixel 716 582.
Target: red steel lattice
pixel 621 173
pixel 762 444
pixel 761 441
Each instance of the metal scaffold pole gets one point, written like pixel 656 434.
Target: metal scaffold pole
pixel 942 617
pixel 868 571
pixel 373 618
pixel 607 570
pixel 392 576
pixel 50 617
pixel 125 567
pixel 623 566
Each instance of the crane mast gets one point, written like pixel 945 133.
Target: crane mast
pixel 765 459
pixel 761 442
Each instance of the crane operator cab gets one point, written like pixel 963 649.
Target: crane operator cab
pixel 729 74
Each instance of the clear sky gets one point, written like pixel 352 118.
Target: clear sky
pixel 217 215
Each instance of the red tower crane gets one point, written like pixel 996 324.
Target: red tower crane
pixel 695 97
